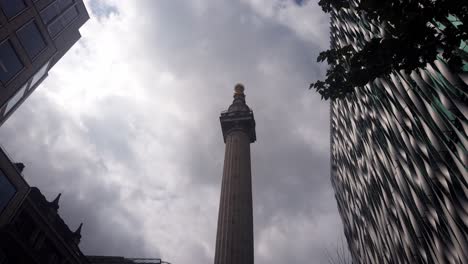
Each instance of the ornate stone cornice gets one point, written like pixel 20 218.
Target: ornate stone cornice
pixel 238 116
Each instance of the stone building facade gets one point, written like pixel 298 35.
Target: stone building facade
pixel 33 232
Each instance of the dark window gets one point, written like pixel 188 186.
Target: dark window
pixel 46 252
pixel 12 7
pixel 63 21
pixel 64 3
pixel 2 111
pixel 31 39
pixel 7 190
pixel 25 225
pixel 50 12
pixel 54 10
pixel 10 64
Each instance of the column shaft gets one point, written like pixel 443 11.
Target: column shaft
pixel 234 240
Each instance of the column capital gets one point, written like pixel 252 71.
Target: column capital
pixel 238 116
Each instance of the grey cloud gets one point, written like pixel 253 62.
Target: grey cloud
pixel 208 49
pixel 34 138
pixel 110 131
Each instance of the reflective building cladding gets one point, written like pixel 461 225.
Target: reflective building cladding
pixel 34 35
pixel 399 159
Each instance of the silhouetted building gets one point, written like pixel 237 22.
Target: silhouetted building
pixel 34 35
pixel 399 159
pixel 31 229
pixel 13 188
pixel 122 260
pixel 35 233
pixel 234 239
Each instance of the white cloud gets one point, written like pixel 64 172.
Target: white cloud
pixel 307 20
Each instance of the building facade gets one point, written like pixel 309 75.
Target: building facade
pixel 35 233
pixel 34 35
pixel 399 159
pixel 32 230
pixel 13 189
pixel 234 238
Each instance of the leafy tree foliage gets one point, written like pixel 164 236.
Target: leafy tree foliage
pixel 415 33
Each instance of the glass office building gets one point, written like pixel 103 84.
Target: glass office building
pixel 399 159
pixel 34 35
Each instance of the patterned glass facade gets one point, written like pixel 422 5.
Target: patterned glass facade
pixel 399 159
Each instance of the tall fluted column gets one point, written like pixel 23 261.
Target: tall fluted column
pixel 234 241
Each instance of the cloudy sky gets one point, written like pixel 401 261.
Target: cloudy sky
pixel 126 127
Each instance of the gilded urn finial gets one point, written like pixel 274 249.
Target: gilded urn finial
pixel 239 88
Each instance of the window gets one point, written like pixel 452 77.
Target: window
pixel 39 74
pixel 63 4
pixel 2 111
pixel 15 99
pixel 60 23
pixel 50 12
pixel 12 7
pixel 25 225
pixel 54 10
pixel 31 39
pixel 7 190
pixel 10 64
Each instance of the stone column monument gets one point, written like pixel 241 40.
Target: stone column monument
pixel 234 240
